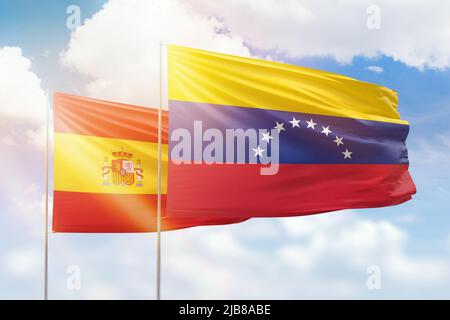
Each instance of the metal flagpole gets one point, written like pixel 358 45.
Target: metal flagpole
pixel 46 198
pixel 158 221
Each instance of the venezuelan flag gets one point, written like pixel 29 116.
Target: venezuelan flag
pixel 105 168
pixel 341 141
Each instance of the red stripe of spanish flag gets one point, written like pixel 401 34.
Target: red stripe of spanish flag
pixel 115 213
pixel 85 116
pixel 105 168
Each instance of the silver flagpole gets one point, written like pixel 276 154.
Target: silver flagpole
pixel 158 221
pixel 46 198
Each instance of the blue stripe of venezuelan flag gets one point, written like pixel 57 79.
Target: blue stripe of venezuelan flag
pixel 370 142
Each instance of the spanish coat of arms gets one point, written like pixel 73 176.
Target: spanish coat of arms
pixel 122 170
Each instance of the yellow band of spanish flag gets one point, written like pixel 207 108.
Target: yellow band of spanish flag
pixel 85 164
pixel 213 78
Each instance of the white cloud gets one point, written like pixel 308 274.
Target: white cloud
pixel 323 256
pixel 37 137
pixel 8 140
pixel 359 243
pixel 47 53
pixel 433 150
pixel 103 292
pixel 21 95
pixel 23 105
pixel 28 208
pixel 119 47
pixel 326 259
pixel 338 28
pixel 407 218
pixel 23 263
pixel 376 69
pixel 30 201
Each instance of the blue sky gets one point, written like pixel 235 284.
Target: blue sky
pixel 37 27
pixel 95 62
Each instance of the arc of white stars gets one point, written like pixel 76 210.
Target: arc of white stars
pixel 311 124
pixel 338 141
pixel 326 130
pixel 258 151
pixel 294 122
pixel 347 154
pixel 279 126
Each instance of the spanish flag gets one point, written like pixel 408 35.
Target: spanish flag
pixel 340 141
pixel 105 168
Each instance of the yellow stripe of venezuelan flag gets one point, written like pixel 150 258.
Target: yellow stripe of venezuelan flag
pixel 79 162
pixel 206 77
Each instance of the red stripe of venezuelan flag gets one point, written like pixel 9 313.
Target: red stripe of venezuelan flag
pixel 105 164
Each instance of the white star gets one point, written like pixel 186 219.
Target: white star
pixel 326 130
pixel 266 136
pixel 347 154
pixel 294 122
pixel 279 126
pixel 338 141
pixel 311 124
pixel 258 151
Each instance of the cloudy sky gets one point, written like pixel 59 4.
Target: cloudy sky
pixel 113 54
